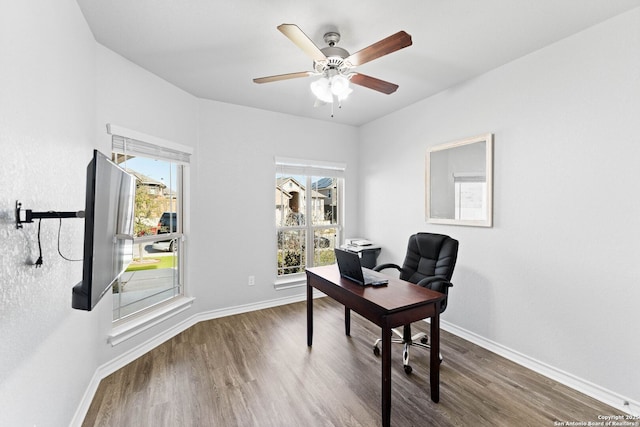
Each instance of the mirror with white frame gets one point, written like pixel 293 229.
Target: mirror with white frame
pixel 459 182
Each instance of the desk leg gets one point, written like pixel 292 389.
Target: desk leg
pixel 309 314
pixel 347 321
pixel 435 356
pixel 386 377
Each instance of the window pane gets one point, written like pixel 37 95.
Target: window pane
pixel 290 200
pixel 324 241
pixel 304 243
pixel 470 202
pixel 151 278
pixel 154 275
pixel 291 251
pixel 324 206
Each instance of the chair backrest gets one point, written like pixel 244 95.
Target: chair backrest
pixel 430 255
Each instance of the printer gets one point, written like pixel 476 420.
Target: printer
pixel 367 250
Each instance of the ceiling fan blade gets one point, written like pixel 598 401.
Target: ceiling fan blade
pixel 386 46
pixel 373 83
pixel 295 34
pixel 282 77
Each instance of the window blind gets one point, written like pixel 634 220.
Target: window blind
pixel 469 177
pixel 131 143
pixel 310 167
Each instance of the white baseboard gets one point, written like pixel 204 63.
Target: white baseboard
pixel 583 386
pixel 606 396
pixel 131 355
pixel 85 403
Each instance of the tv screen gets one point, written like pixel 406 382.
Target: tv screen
pixel 108 230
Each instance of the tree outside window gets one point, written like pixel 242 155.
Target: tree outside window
pixel 307 221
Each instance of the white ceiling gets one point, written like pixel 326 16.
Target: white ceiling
pixel 213 49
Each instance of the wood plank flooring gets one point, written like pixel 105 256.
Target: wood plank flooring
pixel 255 369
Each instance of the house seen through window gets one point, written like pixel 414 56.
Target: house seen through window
pixel 308 218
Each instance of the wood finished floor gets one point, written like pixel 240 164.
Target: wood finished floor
pixel 255 369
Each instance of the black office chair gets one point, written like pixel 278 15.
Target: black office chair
pixel 429 263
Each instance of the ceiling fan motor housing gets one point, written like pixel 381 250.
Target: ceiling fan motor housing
pixel 335 55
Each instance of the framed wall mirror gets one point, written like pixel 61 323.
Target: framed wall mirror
pixel 459 182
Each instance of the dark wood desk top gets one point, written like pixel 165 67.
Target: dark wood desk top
pixel 397 295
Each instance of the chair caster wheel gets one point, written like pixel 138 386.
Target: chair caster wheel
pixel 408 369
pixel 424 340
pixel 376 351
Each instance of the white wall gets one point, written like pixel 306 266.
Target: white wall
pixel 230 202
pixel 566 138
pixel 129 96
pixel 556 278
pixel 47 111
pixel 59 88
pixel 233 212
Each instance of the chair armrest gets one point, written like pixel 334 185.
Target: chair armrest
pixel 427 281
pixel 441 285
pixel 385 266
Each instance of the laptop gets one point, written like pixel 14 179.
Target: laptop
pixel 350 268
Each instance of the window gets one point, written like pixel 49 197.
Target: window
pixel 308 215
pixel 470 196
pixel 155 276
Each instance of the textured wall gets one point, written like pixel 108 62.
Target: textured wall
pixel 47 107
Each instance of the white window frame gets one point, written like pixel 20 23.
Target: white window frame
pixel 309 169
pixel 470 190
pixel 132 325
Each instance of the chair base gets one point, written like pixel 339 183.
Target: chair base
pixel 419 340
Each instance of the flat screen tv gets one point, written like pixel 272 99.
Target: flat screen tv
pixel 108 230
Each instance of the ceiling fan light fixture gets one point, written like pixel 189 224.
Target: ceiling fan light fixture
pixel 344 95
pixel 326 87
pixel 321 88
pixel 340 87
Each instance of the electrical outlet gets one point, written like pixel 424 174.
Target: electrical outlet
pixel 252 280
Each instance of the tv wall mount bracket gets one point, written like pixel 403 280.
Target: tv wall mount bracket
pixel 30 215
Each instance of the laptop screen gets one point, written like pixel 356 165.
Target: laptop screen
pixel 349 265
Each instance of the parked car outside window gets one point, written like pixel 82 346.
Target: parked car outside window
pixel 166 224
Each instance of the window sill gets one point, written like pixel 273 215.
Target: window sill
pixel 136 325
pixel 290 282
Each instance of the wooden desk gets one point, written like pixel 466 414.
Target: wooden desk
pixel 390 306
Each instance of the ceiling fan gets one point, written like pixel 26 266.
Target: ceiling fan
pixel 336 66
